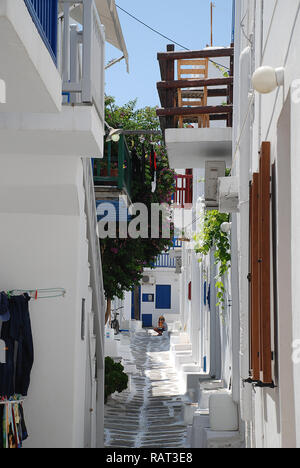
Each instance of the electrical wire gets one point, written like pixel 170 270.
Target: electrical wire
pixel 165 37
pixel 152 29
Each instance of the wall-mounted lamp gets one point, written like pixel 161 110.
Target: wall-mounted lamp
pixel 114 134
pixel 266 79
pixel 226 227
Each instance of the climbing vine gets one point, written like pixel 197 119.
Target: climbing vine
pixel 211 236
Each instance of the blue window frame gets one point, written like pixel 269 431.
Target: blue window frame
pixel 148 298
pixel 163 296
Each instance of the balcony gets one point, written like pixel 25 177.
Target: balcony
pixel 113 173
pixel 82 56
pixel 28 56
pixel 164 261
pixel 196 96
pixel 169 259
pixel 69 62
pixel 44 15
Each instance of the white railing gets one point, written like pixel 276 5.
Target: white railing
pixel 82 55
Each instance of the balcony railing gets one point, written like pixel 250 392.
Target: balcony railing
pixel 115 169
pixel 185 100
pixel 183 194
pixel 177 244
pixel 82 60
pixel 164 261
pixel 44 15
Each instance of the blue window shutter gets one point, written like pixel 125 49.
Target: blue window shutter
pixel 163 297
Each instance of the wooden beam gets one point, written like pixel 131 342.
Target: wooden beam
pixel 202 110
pixel 196 54
pixel 211 117
pixel 189 95
pixel 164 64
pixel 176 84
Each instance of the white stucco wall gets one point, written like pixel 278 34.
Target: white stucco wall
pixel 43 245
pixel 163 276
pixel 271 31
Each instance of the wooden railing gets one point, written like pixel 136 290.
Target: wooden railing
pixel 170 112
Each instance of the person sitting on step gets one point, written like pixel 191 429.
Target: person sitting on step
pixel 162 326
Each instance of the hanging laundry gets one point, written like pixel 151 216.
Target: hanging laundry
pixel 13 431
pixel 15 369
pixel 17 335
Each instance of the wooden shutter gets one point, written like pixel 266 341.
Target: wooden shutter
pixel 265 264
pixel 255 283
pixel 260 269
pixel 190 291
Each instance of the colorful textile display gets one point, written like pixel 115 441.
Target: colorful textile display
pixel 13 430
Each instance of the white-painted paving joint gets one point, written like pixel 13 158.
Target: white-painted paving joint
pixel 149 413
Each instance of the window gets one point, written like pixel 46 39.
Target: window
pixel 260 272
pixel 148 298
pixel 163 297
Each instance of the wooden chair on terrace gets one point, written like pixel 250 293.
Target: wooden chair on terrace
pixel 191 97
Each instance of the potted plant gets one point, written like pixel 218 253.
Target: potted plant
pixel 103 168
pixel 115 378
pixel 114 171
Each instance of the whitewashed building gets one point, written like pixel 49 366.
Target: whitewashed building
pixel 259 338
pixel 198 135
pixel 51 124
pixel 266 129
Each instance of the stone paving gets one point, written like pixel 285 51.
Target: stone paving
pixel 148 414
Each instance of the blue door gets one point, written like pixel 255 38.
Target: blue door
pixel 163 297
pixel 147 320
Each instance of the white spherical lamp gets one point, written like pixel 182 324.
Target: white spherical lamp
pixel 266 79
pixel 226 227
pixel 115 137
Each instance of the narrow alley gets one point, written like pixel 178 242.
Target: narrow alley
pixel 149 412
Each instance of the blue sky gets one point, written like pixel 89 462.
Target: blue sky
pixel 186 22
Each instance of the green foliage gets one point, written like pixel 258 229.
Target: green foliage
pixel 115 379
pixel 212 236
pixel 123 260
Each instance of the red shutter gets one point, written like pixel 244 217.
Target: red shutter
pixel 190 291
